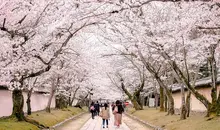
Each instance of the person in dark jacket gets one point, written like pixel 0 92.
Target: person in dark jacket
pixel 92 109
pixel 97 108
pixel 118 110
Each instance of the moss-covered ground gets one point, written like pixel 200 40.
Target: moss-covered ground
pixel 194 122
pixel 47 119
pixel 13 124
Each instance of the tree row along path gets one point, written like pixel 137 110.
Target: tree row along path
pixel 85 122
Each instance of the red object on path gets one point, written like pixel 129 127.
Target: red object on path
pixel 126 103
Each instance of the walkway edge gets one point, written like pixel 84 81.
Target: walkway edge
pixel 143 122
pixel 66 120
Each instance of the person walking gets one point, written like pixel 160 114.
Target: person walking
pixel 105 114
pixel 97 108
pixel 118 110
pixel 92 110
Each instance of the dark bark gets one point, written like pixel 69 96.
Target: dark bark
pixel 152 70
pixel 29 101
pixel 137 93
pixel 165 103
pixel 49 101
pixel 156 100
pixel 18 103
pixel 61 102
pixel 183 112
pixel 69 100
pixel 169 96
pixel 135 98
pixel 74 96
pixel 52 92
pixel 177 70
pixel 137 106
pixel 188 100
pixel 161 99
pixel 213 107
pixel 84 101
pixel 183 106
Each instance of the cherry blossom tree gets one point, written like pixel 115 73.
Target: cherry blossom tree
pixel 34 38
pixel 172 27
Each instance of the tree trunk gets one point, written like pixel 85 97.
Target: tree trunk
pixel 199 96
pixel 49 101
pixel 213 108
pixel 183 107
pixel 136 105
pixel 161 99
pixel 61 102
pixel 69 100
pixel 52 92
pixel 135 98
pixel 188 100
pixel 18 103
pixel 74 96
pixel 152 70
pixel 171 107
pixel 165 103
pixel 138 99
pixel 29 101
pixel 183 112
pixel 169 96
pixel 156 100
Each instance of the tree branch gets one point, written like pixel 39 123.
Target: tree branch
pixel 125 90
pixel 41 59
pixel 20 21
pixel 14 33
pixel 38 72
pixel 208 28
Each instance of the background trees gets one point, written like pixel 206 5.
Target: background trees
pixel 70 46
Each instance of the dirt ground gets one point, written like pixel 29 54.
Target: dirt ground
pixel 194 122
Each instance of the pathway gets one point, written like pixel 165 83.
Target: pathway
pixel 96 124
pixel 85 122
pixel 127 124
pixel 133 124
pixel 75 124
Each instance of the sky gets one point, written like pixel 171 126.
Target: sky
pixel 93 50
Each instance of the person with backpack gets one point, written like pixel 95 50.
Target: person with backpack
pixel 118 110
pixel 105 114
pixel 92 110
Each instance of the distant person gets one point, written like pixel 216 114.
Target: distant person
pixel 118 110
pixel 105 114
pixel 92 109
pixel 97 108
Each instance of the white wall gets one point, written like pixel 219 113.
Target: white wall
pixel 196 105
pixel 38 102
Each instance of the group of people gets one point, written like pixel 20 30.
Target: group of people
pixel 117 110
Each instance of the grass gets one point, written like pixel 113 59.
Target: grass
pixel 56 116
pixel 47 119
pixel 13 124
pixel 194 122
